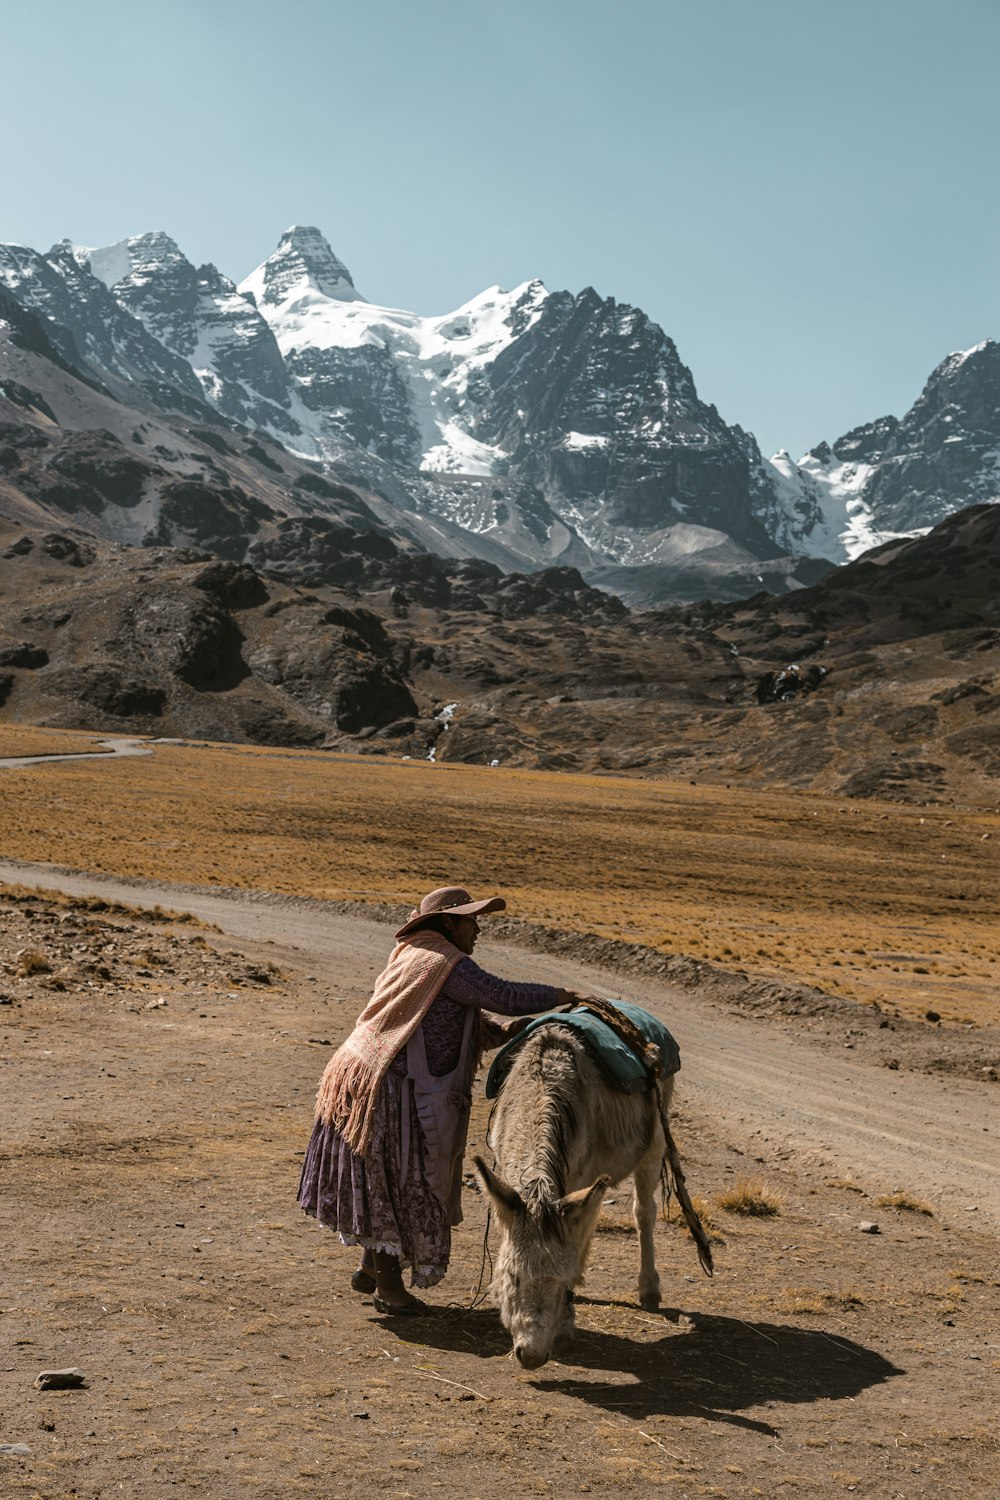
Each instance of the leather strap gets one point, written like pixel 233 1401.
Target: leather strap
pixel 649 1055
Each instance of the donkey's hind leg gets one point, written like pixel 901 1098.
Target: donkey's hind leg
pixel 646 1178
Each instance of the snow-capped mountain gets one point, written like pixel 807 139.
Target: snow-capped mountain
pixel 526 427
pixel 389 380
pixel 894 478
pixel 583 398
pixel 86 323
pixel 198 315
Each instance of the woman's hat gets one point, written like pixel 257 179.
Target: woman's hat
pixel 448 901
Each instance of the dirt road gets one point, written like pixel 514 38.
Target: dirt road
pixel 935 1138
pixel 156 1083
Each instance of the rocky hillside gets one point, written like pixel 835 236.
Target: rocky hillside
pixel 883 679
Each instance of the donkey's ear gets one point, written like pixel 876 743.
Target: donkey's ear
pixel 580 1209
pixel 507 1202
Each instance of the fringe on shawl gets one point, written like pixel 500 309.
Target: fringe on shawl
pixel 348 1090
pixel 346 1099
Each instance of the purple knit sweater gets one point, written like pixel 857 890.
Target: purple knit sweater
pixel 466 985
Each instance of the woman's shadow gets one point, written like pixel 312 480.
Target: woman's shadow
pixel 706 1365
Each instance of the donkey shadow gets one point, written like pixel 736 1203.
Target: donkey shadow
pixel 706 1365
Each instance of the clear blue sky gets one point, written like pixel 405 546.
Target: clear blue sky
pixel 803 193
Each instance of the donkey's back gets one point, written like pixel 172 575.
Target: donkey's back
pixel 559 1120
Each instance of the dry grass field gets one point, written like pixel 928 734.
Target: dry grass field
pixel 872 901
pixel 29 739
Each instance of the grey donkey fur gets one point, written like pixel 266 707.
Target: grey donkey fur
pixel 561 1136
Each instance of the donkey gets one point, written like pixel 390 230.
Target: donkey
pixel 561 1136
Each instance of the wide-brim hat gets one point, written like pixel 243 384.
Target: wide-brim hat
pixel 448 901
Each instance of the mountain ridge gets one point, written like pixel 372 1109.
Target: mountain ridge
pixel 531 427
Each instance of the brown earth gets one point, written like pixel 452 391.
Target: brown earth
pixel 157 1087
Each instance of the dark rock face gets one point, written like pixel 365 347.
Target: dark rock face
pixel 89 471
pixel 303 256
pixel 553 591
pixel 107 690
pixel 191 636
pixel 232 585
pixel 945 454
pixel 944 581
pixel 219 517
pixel 23 655
pixel 867 444
pixel 312 551
pixel 189 311
pixel 601 371
pixel 18 442
pixel 338 665
pixel 65 549
pixel 86 324
pixel 361 395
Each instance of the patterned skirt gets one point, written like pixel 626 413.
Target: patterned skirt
pixel 365 1199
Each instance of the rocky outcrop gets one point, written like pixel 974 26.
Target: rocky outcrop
pixel 593 403
pixel 88 471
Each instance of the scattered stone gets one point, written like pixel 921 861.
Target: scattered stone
pixel 868 1227
pixel 60 1380
pixel 931 1015
pixel 893 1063
pixel 15 1450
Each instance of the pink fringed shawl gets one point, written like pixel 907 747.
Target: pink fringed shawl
pixel 411 980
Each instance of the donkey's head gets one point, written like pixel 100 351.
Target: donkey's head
pixel 542 1254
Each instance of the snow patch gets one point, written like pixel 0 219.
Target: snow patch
pixel 434 356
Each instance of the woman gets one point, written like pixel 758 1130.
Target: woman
pixel 384 1163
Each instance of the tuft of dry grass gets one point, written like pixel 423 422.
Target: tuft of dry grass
pixel 847 1183
pixel 810 1300
pixel 31 961
pixel 752 1197
pixel 671 1213
pixel 904 1201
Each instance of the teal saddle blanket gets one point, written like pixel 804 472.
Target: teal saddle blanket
pixel 619 1064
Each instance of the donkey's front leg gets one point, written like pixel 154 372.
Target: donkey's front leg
pixel 646 1178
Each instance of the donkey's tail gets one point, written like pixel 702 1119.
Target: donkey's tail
pixel 691 1218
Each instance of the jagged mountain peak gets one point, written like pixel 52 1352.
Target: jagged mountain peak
pixel 303 262
pixel 140 255
pixel 983 352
